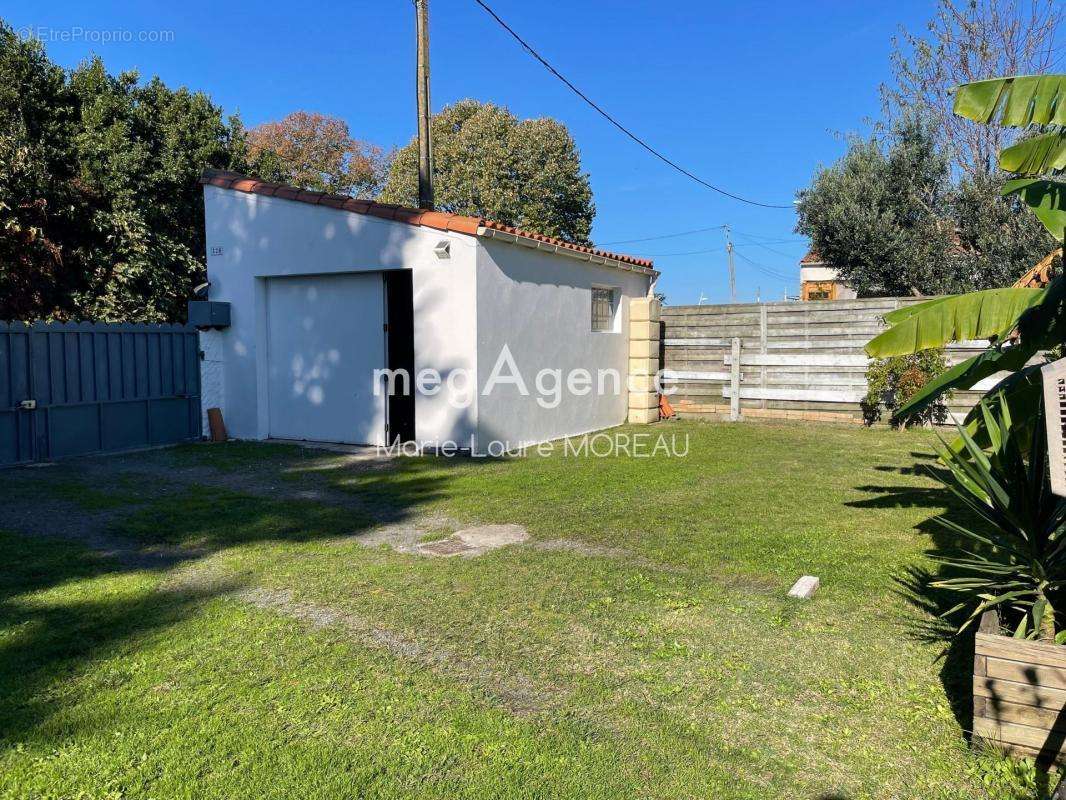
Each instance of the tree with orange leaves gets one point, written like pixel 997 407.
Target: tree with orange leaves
pixel 316 151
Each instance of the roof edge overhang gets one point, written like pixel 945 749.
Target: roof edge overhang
pixel 485 232
pixel 436 220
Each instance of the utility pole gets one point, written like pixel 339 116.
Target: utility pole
pixel 732 269
pixel 425 141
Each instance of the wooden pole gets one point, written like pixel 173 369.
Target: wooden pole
pixel 734 380
pixel 732 269
pixel 425 141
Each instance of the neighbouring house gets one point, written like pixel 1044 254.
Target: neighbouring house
pixel 325 290
pixel 818 281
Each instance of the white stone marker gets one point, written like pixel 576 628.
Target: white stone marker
pixel 804 587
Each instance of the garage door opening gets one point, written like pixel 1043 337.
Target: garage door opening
pixel 325 339
pixel 400 336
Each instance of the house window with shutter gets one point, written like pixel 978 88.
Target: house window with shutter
pixel 603 308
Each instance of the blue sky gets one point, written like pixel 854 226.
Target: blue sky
pixel 750 96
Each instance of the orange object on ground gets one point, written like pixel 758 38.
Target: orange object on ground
pixel 216 424
pixel 666 411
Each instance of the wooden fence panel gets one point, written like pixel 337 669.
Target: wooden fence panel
pixel 796 360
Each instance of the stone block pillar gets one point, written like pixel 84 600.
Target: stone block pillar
pixel 643 360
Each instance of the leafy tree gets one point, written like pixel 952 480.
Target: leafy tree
pixel 1000 237
pixel 1018 322
pixel 965 41
pixel 877 215
pixel 315 151
pixel 37 197
pixel 139 151
pixel 102 214
pixel 890 220
pixel 489 164
pixel 881 246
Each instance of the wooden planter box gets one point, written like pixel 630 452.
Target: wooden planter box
pixel 1019 693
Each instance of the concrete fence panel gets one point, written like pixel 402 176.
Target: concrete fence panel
pixel 783 360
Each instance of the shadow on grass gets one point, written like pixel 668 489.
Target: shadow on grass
pixel 49 642
pixel 915 583
pixel 899 497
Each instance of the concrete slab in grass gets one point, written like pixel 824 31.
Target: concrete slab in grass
pixel 804 587
pixel 475 541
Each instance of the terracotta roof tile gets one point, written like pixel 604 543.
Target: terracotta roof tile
pixel 379 210
pixel 812 257
pixel 463 225
pixel 434 219
pixel 408 215
pixel 333 201
pixel 358 206
pixel 437 220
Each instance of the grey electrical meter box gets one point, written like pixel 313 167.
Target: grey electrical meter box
pixel 208 314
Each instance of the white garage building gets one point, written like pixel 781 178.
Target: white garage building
pixel 325 291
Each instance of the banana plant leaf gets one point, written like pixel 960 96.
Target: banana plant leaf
pixel 975 315
pixel 1047 199
pixel 1041 155
pixel 1043 325
pixel 902 313
pixel 964 375
pixel 1022 391
pixel 1014 102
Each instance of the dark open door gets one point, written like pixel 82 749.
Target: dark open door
pixel 400 351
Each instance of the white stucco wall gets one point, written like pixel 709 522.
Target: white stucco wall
pixel 261 237
pixel 818 273
pixel 212 376
pixel 539 305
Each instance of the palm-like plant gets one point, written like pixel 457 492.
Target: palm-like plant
pixel 1018 322
pixel 1018 557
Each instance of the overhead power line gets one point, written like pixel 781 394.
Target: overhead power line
pixel 765 270
pixel 687 253
pixel 664 236
pixel 753 243
pixel 752 236
pixel 615 122
pixel 773 273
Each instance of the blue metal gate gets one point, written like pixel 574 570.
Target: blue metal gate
pixel 74 388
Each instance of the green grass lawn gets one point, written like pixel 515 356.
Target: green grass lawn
pixel 640 645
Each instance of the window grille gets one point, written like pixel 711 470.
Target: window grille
pixel 602 309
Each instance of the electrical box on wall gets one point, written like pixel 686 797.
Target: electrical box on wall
pixel 208 314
